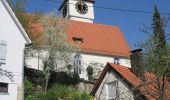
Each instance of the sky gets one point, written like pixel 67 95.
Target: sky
pixel 130 23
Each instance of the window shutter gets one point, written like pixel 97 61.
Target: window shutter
pixel 3 51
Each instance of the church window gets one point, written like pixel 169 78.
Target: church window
pixel 77 63
pixel 3 51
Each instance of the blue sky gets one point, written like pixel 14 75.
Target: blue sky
pixel 129 22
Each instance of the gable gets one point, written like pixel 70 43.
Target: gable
pixel 10 26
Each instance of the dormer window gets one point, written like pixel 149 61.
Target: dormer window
pixel 77 40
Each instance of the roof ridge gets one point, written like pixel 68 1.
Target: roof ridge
pixel 94 23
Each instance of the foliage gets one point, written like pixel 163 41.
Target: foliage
pixel 156 56
pixel 60 92
pixel 63 78
pixel 26 20
pixel 29 89
pixel 90 72
pixel 36 77
pixel 54 43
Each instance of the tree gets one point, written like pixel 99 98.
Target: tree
pixel 156 59
pixel 58 50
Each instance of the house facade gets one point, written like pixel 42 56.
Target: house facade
pixel 98 43
pixel 117 83
pixel 12 44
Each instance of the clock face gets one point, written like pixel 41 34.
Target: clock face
pixel 81 7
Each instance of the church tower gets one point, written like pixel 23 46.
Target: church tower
pixel 79 10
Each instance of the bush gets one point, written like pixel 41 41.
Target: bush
pixel 63 78
pixel 36 77
pixel 29 89
pixel 60 92
pixel 90 72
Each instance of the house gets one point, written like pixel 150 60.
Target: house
pixel 98 43
pixel 13 40
pixel 121 83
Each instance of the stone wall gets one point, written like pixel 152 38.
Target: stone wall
pixel 85 86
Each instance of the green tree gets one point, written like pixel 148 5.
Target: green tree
pixel 156 57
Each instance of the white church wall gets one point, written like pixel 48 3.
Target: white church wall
pixel 14 63
pixel 98 62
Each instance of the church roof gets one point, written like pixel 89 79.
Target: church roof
pixel 98 38
pixel 94 38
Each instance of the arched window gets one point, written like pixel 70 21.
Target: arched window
pixel 77 63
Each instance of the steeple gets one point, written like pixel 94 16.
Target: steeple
pixel 79 10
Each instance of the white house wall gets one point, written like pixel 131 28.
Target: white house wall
pixel 10 33
pixel 123 90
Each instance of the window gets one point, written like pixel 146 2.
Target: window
pixel 3 51
pixel 112 90
pixel 116 61
pixel 77 63
pixel 4 87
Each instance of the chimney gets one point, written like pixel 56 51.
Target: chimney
pixel 137 62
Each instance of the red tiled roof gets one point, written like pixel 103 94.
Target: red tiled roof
pixel 127 74
pixel 97 38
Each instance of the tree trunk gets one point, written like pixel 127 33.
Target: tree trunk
pixel 47 80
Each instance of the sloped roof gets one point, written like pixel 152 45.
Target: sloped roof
pixel 128 76
pixel 96 38
pixel 99 38
pixel 19 26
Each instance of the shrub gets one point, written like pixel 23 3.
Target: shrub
pixel 90 72
pixel 63 78
pixel 60 92
pixel 29 89
pixel 36 77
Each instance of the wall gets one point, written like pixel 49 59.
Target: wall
pixel 74 15
pixel 85 87
pixel 90 59
pixel 15 54
pixel 123 90
pixel 98 62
